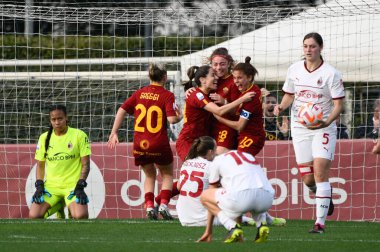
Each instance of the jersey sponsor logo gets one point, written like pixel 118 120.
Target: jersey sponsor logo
pixel 320 81
pixel 149 96
pixel 308 96
pixel 61 156
pixel 200 96
pixel 225 90
pixel 245 114
pixel 144 144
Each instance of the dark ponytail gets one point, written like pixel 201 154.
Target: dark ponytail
pixel 247 68
pixel 196 72
pixel 52 108
pixel 200 147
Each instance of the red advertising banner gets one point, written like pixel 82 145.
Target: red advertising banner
pixel 115 184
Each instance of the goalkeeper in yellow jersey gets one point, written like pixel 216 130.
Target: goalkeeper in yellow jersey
pixel 63 164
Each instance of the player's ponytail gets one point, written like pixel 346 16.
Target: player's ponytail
pixel 50 131
pixel 191 74
pixel 247 68
pixel 200 147
pixel 196 73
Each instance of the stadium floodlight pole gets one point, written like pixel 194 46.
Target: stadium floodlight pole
pixel 28 30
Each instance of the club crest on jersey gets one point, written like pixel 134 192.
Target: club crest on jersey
pixel 69 145
pixel 200 96
pixel 225 90
pixel 319 82
pixel 144 144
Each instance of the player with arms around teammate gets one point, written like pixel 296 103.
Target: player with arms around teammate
pixel 313 80
pixel 222 63
pixel 251 137
pixel 63 160
pixel 199 108
pixel 244 187
pixel 152 106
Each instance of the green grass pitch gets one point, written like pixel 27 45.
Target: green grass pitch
pixel 169 236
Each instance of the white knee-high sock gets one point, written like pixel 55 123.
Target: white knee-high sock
pixel 322 200
pixel 259 218
pixel 226 221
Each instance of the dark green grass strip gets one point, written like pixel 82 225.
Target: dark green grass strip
pixel 169 236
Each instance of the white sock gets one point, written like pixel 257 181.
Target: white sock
pixel 259 218
pixel 245 219
pixel 322 200
pixel 269 218
pixel 226 221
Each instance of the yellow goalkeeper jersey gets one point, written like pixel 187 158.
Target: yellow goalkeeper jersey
pixel 63 161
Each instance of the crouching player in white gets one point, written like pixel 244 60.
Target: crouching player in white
pixel 244 188
pixel 193 181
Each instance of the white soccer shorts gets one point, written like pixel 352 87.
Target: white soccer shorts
pixel 314 144
pixel 234 204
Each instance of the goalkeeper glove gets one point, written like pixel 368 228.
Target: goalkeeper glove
pixel 38 196
pixel 81 196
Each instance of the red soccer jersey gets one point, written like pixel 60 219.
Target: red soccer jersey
pixel 197 121
pixel 252 138
pixel 224 135
pixel 228 89
pixel 150 105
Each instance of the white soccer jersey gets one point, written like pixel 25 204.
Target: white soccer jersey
pixel 320 86
pixel 193 180
pixel 238 171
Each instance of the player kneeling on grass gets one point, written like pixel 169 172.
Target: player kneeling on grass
pixel 244 188
pixel 194 176
pixel 63 155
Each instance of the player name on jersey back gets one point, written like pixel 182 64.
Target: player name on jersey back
pixel 199 165
pixel 149 96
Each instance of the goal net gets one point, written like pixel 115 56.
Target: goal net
pixel 91 56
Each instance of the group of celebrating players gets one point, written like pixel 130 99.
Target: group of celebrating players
pixel 222 133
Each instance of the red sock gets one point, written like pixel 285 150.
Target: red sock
pixel 158 199
pixel 175 191
pixel 149 199
pixel 165 196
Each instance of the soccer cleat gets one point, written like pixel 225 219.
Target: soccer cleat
pixel 61 213
pixel 262 234
pixel 250 222
pixel 234 235
pixel 164 211
pixel 317 229
pixel 278 222
pixel 151 214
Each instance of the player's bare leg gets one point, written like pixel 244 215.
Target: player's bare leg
pixel 37 211
pixel 150 179
pixel 78 211
pixel 208 199
pixel 166 189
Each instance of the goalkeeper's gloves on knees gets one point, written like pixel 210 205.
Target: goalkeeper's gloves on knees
pixel 38 196
pixel 81 196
